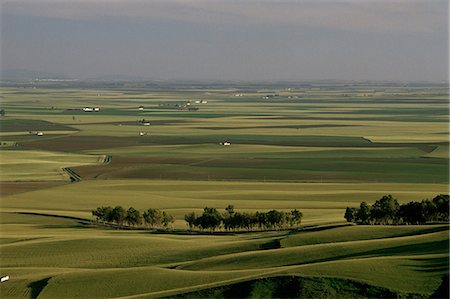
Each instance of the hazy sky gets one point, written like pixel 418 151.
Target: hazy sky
pixel 229 39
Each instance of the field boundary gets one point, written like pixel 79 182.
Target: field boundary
pixel 74 177
pixel 107 159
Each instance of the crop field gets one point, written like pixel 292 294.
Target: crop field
pixel 315 148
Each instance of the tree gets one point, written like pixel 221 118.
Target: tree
pixel 363 214
pixel 2 112
pixel 167 219
pixel 133 216
pixel 261 220
pixel 442 206
pixel 350 214
pixel 230 210
pixel 274 218
pixel 384 210
pixel 231 220
pixel 387 210
pixel 247 221
pixel 117 215
pixel 191 219
pixel 102 213
pixel 429 210
pixel 412 213
pixel 295 217
pixel 228 218
pixel 153 217
pixel 210 219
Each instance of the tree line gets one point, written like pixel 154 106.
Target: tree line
pixel 387 210
pixel 152 218
pixel 211 219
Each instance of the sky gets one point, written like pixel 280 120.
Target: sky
pixel 238 40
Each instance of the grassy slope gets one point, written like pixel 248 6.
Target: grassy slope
pixel 87 262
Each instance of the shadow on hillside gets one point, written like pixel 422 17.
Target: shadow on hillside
pixel 433 247
pixel 296 287
pixel 37 287
pixel 436 265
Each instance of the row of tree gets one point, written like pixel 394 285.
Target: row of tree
pixel 153 218
pixel 211 219
pixel 387 210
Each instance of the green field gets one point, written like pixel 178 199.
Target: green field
pixel 318 149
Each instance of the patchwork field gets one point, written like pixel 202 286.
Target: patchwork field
pixel 315 148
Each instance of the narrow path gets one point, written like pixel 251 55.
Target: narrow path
pixel 74 177
pixel 107 159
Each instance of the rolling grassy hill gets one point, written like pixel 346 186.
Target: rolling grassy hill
pixel 83 261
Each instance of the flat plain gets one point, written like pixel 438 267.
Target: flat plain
pixel 318 148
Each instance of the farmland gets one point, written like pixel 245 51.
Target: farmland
pixel 317 148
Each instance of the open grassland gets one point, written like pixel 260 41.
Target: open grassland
pixel 318 149
pixel 82 261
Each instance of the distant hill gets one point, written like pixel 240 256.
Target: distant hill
pixel 23 74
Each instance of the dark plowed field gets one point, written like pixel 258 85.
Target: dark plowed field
pixel 275 127
pixel 79 143
pixel 159 122
pixel 128 167
pixel 10 188
pixel 21 125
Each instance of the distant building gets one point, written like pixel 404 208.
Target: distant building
pixel 146 124
pixel 91 109
pixel 225 143
pixel 4 278
pixel 40 134
pixel 141 108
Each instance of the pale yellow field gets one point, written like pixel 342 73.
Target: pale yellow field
pixel 33 165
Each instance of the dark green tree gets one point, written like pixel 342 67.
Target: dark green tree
pixel 350 214
pixel 191 220
pixel 429 210
pixel 275 219
pixel 261 220
pixel 153 217
pixel 230 210
pixel 210 219
pixel 117 215
pixel 102 213
pixel 442 207
pixel 133 217
pixel 295 218
pixel 167 219
pixel 384 210
pixel 363 214
pixel 228 218
pixel 412 213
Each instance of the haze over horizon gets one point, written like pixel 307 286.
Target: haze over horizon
pixel 228 40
